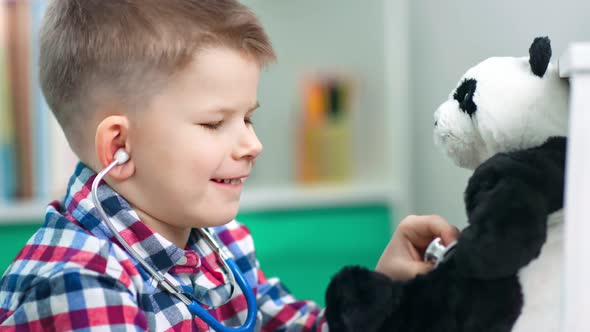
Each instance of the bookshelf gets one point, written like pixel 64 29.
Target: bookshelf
pixel 381 121
pixel 375 49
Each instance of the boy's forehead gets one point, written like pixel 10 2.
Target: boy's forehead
pixel 217 79
pixel 218 67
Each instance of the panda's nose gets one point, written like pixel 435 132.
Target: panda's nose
pixel 436 116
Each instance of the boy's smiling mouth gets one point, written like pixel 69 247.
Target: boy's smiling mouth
pixel 231 181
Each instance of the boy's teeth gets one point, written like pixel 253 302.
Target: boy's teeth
pixel 229 181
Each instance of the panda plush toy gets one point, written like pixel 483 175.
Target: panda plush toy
pixel 507 120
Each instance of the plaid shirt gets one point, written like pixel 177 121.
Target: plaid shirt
pixel 73 275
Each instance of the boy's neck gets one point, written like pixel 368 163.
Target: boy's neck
pixel 176 235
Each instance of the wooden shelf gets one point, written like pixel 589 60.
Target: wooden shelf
pixel 22 212
pixel 253 199
pixel 294 197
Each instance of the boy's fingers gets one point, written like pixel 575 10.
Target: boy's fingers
pixel 436 226
pixel 449 234
pixel 420 230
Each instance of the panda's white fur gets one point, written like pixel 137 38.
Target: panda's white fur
pixel 541 283
pixel 516 109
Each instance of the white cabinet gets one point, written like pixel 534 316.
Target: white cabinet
pixel 575 65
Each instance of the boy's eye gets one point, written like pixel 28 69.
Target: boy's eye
pixel 248 120
pixel 212 125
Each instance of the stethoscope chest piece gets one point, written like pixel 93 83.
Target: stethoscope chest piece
pixel 436 252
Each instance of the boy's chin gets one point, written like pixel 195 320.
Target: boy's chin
pixel 220 218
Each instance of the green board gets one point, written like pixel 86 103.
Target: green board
pixel 12 239
pixel 306 248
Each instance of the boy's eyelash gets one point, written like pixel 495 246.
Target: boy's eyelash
pixel 212 125
pixel 215 125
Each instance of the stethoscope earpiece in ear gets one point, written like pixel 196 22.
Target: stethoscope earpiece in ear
pixel 121 156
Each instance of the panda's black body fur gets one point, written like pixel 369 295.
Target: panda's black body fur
pixel 477 289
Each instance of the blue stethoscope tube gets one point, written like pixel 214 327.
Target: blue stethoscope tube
pixel 197 310
pixel 230 267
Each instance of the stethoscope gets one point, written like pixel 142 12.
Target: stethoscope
pixel 230 267
pixel 437 253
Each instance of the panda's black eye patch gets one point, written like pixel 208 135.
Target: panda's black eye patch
pixel 464 95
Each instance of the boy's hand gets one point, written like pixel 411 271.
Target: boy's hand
pixel 402 259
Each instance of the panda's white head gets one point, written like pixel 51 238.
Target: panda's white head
pixel 503 104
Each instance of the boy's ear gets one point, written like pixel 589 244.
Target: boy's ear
pixel 112 134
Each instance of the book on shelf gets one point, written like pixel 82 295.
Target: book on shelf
pixel 7 144
pixel 325 131
pixel 18 28
pixel 35 158
pixel 40 110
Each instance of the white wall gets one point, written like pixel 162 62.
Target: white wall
pixel 448 37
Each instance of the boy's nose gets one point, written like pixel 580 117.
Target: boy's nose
pixel 249 146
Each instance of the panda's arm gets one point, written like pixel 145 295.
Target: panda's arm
pixel 508 199
pixel 358 299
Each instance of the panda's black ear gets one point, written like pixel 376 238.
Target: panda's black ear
pixel 539 55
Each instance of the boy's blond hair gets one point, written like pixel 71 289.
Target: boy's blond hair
pixel 99 51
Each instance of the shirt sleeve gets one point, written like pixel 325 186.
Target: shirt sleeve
pixel 282 312
pixel 74 300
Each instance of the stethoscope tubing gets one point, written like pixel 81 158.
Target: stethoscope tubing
pixel 193 306
pixel 200 312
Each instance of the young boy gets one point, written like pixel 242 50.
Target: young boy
pixel 174 84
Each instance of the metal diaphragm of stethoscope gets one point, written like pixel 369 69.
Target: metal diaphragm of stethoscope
pixel 230 267
pixel 437 253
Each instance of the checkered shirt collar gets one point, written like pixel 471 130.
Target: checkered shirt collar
pixel 152 247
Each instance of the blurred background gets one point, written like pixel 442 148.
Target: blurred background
pixel 345 118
